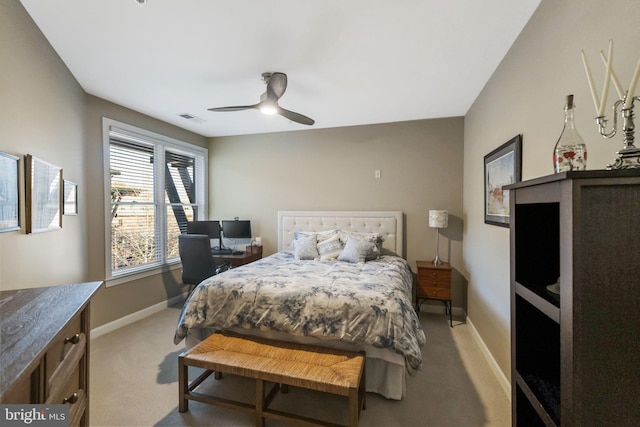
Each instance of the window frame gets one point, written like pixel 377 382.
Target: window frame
pixel 161 144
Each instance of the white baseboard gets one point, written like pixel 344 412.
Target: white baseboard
pixel 134 317
pixel 502 379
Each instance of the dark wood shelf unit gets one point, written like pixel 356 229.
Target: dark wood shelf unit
pixel 575 356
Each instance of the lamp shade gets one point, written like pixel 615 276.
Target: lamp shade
pixel 438 219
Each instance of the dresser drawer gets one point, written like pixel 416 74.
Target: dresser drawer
pixel 69 338
pixel 67 378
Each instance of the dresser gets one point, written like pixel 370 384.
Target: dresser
pixel 434 282
pixel 44 342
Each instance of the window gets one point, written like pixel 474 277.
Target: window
pixel 155 184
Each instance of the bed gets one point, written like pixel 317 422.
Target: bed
pixel 359 301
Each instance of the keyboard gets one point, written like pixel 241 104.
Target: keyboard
pixel 224 251
pixel 237 253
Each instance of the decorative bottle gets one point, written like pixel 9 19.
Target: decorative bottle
pixel 570 152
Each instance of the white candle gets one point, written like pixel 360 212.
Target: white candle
pixel 614 77
pixel 590 79
pixel 632 86
pixel 607 80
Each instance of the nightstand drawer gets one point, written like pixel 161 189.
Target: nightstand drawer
pixel 435 283
pixel 428 274
pixel 436 293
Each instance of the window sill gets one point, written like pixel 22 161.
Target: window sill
pixel 114 281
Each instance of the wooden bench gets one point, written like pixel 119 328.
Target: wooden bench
pixel 287 364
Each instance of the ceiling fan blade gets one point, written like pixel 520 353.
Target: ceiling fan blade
pixel 295 117
pixel 237 108
pixel 276 86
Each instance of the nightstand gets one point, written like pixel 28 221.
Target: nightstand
pixel 434 282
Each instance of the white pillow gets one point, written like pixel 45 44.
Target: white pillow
pixel 330 249
pixel 304 248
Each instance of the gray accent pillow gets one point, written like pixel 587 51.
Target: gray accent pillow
pixel 304 248
pixel 376 238
pixel 356 250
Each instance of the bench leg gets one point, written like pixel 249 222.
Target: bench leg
pixel 183 385
pixel 259 403
pixel 363 385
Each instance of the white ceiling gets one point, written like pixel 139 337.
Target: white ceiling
pixel 348 63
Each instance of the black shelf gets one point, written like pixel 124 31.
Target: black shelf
pixel 538 349
pixel 537 243
pixel 531 412
pixel 541 302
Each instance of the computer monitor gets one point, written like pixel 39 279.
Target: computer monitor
pixel 236 229
pixel 211 228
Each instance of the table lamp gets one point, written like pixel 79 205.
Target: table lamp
pixel 438 220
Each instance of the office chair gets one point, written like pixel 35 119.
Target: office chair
pixel 197 262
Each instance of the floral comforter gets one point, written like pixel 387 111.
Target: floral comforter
pixel 364 303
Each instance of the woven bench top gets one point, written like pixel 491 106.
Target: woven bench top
pixel 298 365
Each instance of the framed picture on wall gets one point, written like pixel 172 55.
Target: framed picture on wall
pixel 43 191
pixel 70 203
pixel 502 166
pixel 9 192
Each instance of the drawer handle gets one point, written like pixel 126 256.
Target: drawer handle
pixel 71 399
pixel 73 340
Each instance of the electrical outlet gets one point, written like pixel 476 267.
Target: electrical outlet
pixel 377 174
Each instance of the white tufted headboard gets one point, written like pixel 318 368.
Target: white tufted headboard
pixel 389 224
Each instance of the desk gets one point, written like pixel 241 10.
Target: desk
pixel 252 253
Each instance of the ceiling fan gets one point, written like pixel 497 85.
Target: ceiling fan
pixel 276 85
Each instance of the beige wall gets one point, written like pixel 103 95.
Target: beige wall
pixel 526 95
pixel 46 113
pixel 41 113
pixel 255 176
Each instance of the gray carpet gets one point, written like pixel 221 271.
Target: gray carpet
pixel 134 382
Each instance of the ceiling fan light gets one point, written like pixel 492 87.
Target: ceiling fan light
pixel 268 109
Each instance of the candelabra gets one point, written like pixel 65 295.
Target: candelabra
pixel 629 156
